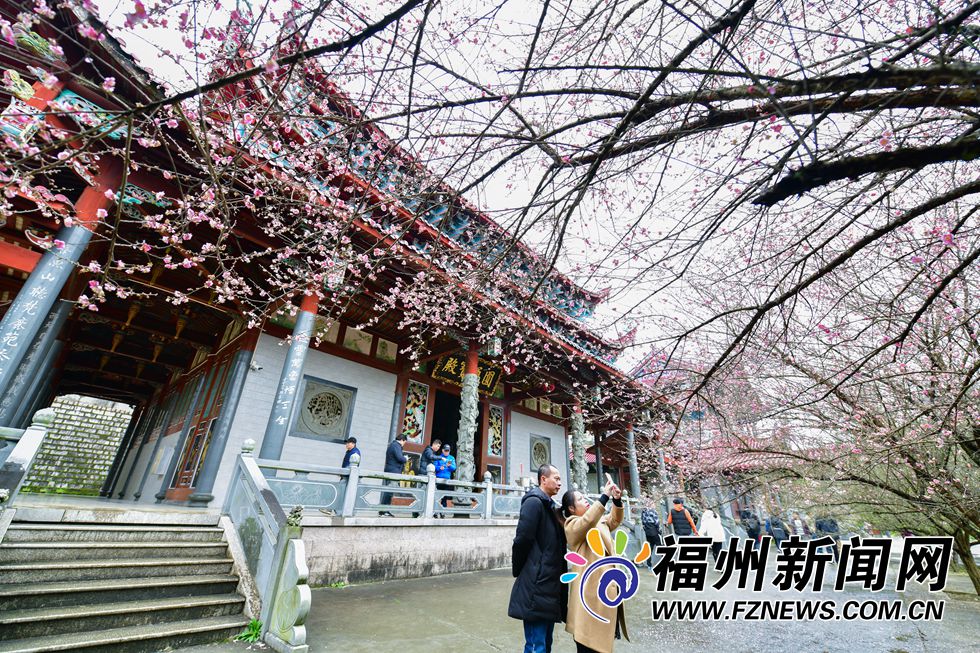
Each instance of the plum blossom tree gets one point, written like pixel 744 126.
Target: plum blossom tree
pixel 273 176
pixel 868 398
pixel 786 188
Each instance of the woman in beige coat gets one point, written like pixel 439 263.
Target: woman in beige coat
pixel 591 634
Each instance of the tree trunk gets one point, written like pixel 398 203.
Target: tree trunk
pixel 961 543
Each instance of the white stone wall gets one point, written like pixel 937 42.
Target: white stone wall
pixel 358 554
pixel 370 424
pixel 522 427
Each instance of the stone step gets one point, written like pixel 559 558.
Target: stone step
pixel 100 569
pixel 34 623
pixel 56 551
pixel 56 594
pixel 59 532
pixel 134 639
pixel 159 516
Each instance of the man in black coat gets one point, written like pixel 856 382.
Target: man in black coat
pixel 394 464
pixel 539 598
pixel 650 519
pixel 828 526
pixel 429 455
pixel 752 526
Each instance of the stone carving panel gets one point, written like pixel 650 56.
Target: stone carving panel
pixel 325 410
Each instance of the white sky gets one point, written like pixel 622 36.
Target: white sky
pixel 162 52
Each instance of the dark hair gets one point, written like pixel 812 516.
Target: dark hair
pixel 401 437
pixel 351 440
pixel 435 441
pixel 545 470
pixel 567 502
pixel 679 500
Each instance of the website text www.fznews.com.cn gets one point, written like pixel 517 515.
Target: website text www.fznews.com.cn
pixel 799 610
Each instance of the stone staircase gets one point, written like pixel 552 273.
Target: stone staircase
pixel 115 581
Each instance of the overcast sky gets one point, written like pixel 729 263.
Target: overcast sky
pixel 599 225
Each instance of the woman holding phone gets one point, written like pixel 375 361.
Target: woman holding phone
pixel 592 635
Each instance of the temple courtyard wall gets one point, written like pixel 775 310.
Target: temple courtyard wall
pixel 372 417
pixel 368 550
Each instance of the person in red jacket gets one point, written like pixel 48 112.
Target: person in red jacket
pixel 681 520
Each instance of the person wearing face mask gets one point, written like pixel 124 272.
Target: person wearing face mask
pixel 592 635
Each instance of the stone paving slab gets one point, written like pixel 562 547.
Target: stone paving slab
pixel 467 612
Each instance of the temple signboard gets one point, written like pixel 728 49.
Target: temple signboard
pixel 451 369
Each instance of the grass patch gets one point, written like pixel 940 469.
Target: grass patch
pixel 251 634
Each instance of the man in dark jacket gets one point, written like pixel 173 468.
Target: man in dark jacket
pixel 539 598
pixel 651 528
pixel 752 526
pixel 828 526
pixel 352 450
pixel 394 464
pixel 429 456
pixel 777 529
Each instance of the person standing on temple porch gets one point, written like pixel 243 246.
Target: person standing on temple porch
pixel 394 464
pixel 429 456
pixel 538 597
pixel 445 466
pixel 351 444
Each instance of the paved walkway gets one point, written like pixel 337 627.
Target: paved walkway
pixel 467 612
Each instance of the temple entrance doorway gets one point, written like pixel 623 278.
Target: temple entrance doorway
pixel 445 423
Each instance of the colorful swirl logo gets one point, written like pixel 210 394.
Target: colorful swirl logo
pixel 615 571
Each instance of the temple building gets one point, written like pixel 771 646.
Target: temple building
pixel 112 292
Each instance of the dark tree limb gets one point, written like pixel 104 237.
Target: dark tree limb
pixel 820 174
pixel 957 98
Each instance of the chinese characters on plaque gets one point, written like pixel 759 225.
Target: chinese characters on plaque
pixel 451 369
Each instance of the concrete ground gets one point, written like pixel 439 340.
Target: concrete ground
pixel 467 612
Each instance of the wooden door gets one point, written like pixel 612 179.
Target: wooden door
pixel 205 417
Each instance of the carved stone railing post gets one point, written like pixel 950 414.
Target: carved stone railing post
pixel 15 469
pixel 488 508
pixel 350 494
pixel 430 491
pixel 284 616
